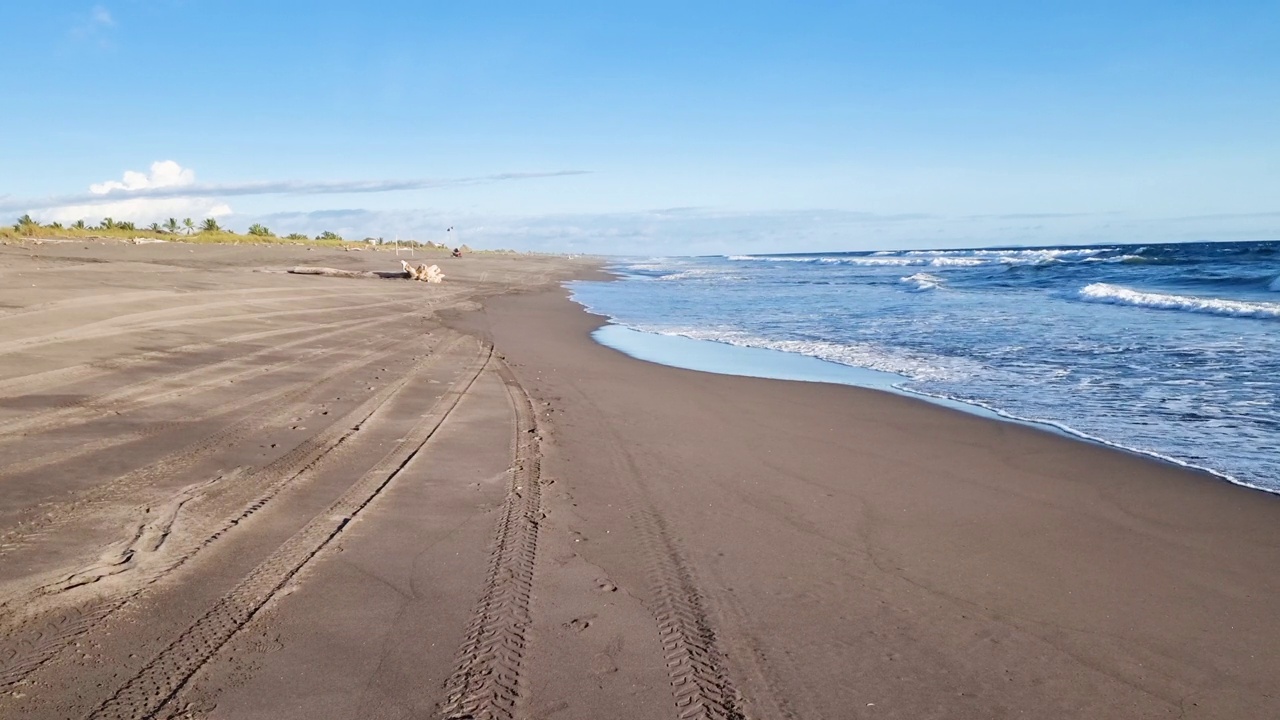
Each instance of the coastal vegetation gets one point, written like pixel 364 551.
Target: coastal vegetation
pixel 208 230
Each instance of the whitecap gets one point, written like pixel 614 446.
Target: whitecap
pixel 1118 295
pixel 1033 254
pixel 767 258
pixel 922 282
pixel 958 262
pixel 700 274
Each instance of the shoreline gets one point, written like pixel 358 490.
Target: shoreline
pixel 1006 568
pixel 891 383
pixel 636 349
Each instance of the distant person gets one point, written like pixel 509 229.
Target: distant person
pixel 457 252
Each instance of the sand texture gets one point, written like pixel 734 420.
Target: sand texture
pixel 233 492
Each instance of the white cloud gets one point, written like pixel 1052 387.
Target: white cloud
pixel 168 179
pixel 129 198
pixel 164 173
pixel 143 211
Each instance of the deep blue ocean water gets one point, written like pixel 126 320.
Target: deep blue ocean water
pixel 1171 350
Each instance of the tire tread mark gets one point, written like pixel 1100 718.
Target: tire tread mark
pixel 34 382
pixel 281 393
pixel 125 485
pixel 39 381
pixel 699 680
pixel 31 642
pixel 111 328
pixel 143 695
pixel 486 682
pixel 145 392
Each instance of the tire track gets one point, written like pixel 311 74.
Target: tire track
pixel 145 393
pixel 486 682
pixel 36 382
pixel 108 299
pixel 283 393
pixel 39 638
pixel 129 484
pixel 695 664
pixel 768 675
pixel 158 681
pixel 109 328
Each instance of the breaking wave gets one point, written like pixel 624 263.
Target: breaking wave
pixel 922 282
pixel 699 274
pixel 866 355
pixel 1118 295
pixel 943 258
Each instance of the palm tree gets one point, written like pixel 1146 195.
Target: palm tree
pixel 259 230
pixel 79 225
pixel 209 225
pixel 26 224
pixel 171 225
pixel 188 225
pixel 154 227
pixel 126 225
pixel 107 224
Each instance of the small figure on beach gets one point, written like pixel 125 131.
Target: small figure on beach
pixel 457 252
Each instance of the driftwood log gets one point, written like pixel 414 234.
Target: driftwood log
pixel 423 273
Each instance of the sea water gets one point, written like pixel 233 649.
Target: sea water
pixel 1169 350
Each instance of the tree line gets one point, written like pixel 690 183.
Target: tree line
pixel 28 225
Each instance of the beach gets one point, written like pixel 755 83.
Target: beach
pixel 232 492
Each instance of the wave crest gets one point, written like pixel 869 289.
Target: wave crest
pixel 1118 295
pixel 866 355
pixel 922 282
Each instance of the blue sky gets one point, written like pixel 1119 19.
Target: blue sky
pixel 653 127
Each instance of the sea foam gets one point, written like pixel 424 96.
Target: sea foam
pixel 873 261
pixel 937 258
pixel 700 274
pixel 922 282
pixel 908 365
pixel 1118 295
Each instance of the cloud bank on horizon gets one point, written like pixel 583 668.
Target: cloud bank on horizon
pixel 168 189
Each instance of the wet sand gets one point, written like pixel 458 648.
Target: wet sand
pixel 240 494
pixel 828 551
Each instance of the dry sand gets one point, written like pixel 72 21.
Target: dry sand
pixel 240 494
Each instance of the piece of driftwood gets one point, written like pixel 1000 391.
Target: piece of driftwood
pixel 423 273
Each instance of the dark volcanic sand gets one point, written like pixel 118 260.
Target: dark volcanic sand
pixel 237 494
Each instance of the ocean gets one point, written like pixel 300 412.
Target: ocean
pixel 1169 350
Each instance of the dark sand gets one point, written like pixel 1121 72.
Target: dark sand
pixel 238 494
pixel 859 554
